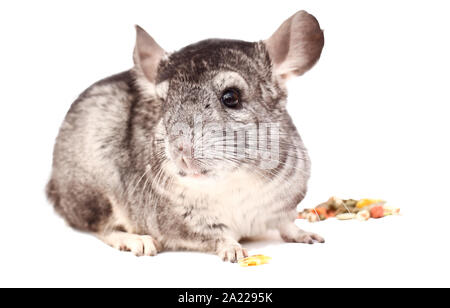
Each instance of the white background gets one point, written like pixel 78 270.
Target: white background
pixel 373 113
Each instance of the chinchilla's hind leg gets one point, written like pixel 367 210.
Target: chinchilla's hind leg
pixel 140 245
pixel 88 210
pixel 82 207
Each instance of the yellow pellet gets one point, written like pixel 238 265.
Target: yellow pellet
pixel 366 202
pixel 254 260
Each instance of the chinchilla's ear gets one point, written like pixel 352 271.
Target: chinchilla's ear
pixel 147 54
pixel 296 46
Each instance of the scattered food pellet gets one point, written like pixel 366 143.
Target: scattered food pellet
pixel 346 216
pixel 389 210
pixel 254 260
pixel 377 211
pixel 366 202
pixel 342 209
pixel 312 217
pixel 363 215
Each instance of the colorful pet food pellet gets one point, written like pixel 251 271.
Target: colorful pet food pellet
pixel 312 217
pixel 346 209
pixel 346 216
pixel 366 202
pixel 254 260
pixel 377 211
pixel 389 210
pixel 363 215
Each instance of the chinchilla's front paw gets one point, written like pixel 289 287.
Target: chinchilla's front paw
pixel 232 252
pixel 304 237
pixel 291 233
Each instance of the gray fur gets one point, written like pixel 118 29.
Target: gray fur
pixel 113 165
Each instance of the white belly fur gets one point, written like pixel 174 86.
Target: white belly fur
pixel 239 202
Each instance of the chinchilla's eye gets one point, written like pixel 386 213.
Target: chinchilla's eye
pixel 231 98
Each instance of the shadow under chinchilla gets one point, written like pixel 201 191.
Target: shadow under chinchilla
pixel 257 242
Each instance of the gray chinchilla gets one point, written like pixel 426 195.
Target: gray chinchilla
pixel 189 150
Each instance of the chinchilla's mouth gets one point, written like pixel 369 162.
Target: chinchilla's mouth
pixel 195 175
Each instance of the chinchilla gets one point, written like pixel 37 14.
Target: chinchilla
pixel 189 150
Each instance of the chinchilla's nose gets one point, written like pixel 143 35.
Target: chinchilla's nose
pixel 184 148
pixel 185 157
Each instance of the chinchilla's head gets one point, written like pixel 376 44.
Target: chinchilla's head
pixel 223 101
